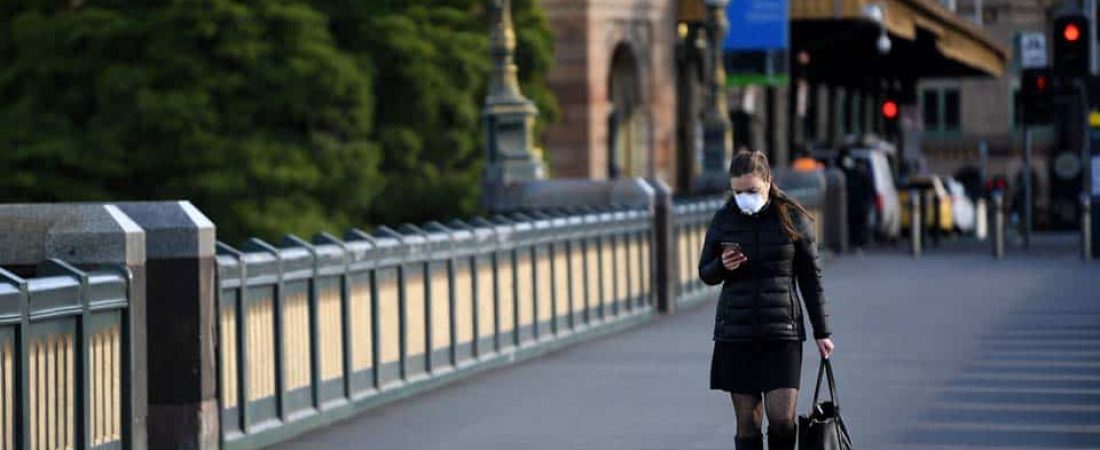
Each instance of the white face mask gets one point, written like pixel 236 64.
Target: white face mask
pixel 750 203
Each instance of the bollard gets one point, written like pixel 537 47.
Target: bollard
pixel 936 219
pixel 981 214
pixel 914 223
pixel 1086 228
pixel 998 223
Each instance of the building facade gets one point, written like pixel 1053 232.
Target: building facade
pixel 959 116
pixel 631 78
pixel 615 80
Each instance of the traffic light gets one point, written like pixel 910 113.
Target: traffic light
pixel 1035 96
pixel 1071 45
pixel 889 111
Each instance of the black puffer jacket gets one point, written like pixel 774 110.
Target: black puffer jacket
pixel 757 299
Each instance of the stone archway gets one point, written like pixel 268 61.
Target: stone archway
pixel 628 121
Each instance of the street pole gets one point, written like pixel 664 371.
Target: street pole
pixel 1027 187
pixel 1090 13
pixel 508 116
pixel 717 141
pixel 1086 151
pixel 1086 174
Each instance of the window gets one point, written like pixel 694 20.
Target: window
pixel 951 109
pixel 990 15
pixel 942 109
pixel 930 105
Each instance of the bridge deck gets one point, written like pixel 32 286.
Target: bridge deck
pixel 952 351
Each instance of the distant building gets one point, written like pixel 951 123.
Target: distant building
pixel 614 77
pixel 630 76
pixel 957 115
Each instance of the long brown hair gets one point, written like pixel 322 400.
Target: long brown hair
pixel 756 163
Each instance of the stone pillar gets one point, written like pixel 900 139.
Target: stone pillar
pixel 183 404
pixel 874 110
pixel 778 145
pixel 664 247
pixel 87 235
pixel 717 138
pixel 836 115
pixel 508 116
pixel 798 95
pixel 822 113
pixel 854 111
pixel 879 120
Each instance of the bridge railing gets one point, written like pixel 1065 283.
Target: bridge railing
pixel 691 218
pixel 304 332
pixel 65 358
pixel 310 332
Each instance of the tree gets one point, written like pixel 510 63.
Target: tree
pixel 248 109
pixel 273 116
pixel 431 62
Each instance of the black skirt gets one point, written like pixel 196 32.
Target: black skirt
pixel 757 366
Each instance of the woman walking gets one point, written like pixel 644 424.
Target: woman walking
pixel 758 245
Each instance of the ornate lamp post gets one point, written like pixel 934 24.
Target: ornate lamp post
pixel 717 139
pixel 508 115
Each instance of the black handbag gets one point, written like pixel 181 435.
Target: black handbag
pixel 823 429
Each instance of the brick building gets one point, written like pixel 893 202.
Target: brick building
pixel 615 80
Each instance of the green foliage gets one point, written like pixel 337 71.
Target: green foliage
pixel 431 62
pixel 273 116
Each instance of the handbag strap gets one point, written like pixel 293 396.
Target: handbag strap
pixel 825 369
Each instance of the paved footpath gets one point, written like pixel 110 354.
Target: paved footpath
pixel 953 351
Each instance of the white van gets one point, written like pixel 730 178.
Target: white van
pixel 875 156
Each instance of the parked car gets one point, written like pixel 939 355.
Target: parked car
pixel 962 207
pixel 931 186
pixel 886 220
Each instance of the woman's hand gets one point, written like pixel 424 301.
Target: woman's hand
pixel 732 259
pixel 825 346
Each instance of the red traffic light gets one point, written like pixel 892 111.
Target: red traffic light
pixel 1040 83
pixel 1071 32
pixel 889 109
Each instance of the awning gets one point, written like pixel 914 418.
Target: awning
pixel 927 40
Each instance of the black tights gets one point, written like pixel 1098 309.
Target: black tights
pixel 779 404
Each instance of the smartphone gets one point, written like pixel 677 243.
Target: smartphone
pixel 731 246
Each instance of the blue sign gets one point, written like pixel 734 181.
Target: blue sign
pixel 757 25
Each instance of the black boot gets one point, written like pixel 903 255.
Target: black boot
pixel 750 443
pixel 782 439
